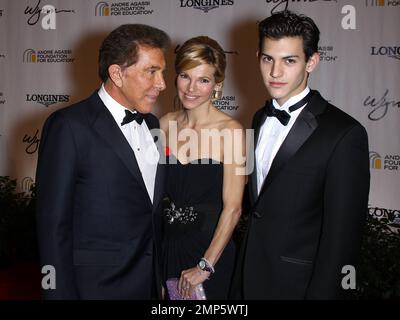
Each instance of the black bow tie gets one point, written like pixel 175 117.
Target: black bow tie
pixel 282 115
pixel 132 116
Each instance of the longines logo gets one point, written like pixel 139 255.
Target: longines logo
pixel 389 162
pixel 392 216
pixel 327 54
pixel 47 99
pixel 382 3
pixel 226 103
pixel 391 52
pixel 284 4
pixel 27 183
pixel 2 100
pixel 205 5
pixel 380 106
pixel 124 8
pixel 47 56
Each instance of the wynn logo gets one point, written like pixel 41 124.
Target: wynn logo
pixel 380 106
pixel 205 5
pixel 34 13
pixel 284 4
pixel 47 99
pixel 31 142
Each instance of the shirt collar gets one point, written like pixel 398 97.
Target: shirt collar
pixel 291 101
pixel 117 110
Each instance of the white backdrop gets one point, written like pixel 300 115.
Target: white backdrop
pixel 49 60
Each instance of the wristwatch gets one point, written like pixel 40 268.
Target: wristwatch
pixel 205 265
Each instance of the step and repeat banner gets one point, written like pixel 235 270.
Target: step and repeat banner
pixel 49 50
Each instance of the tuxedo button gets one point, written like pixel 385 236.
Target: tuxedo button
pixel 256 214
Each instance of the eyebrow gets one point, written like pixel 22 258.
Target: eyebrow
pixel 201 77
pixel 286 57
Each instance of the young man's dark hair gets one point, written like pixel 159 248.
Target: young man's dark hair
pixel 122 45
pixel 289 24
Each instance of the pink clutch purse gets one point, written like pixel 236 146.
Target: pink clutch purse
pixel 173 293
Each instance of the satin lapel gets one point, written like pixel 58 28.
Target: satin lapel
pixel 253 177
pixel 304 126
pixel 105 125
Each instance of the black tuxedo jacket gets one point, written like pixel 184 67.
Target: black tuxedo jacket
pixel 96 223
pixel 307 221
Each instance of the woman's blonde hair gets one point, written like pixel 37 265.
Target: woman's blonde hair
pixel 201 50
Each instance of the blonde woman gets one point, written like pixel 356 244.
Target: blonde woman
pixel 205 182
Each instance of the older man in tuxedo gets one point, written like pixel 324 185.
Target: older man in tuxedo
pixel 98 179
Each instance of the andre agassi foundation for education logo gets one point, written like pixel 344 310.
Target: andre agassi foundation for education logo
pixel 375 160
pixel 47 56
pixel 30 56
pixel 123 8
pixel 27 183
pixel 382 3
pixel 227 103
pixel 389 162
pixel 102 9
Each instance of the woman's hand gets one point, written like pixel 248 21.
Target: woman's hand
pixel 189 279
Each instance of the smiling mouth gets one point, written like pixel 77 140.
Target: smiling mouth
pixel 190 97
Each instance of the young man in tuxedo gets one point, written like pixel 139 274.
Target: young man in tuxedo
pixel 309 190
pixel 98 180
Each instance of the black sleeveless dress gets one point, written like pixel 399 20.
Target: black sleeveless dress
pixel 191 214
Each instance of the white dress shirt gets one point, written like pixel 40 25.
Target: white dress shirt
pixel 139 138
pixel 271 136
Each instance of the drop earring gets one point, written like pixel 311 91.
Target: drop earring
pixel 216 93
